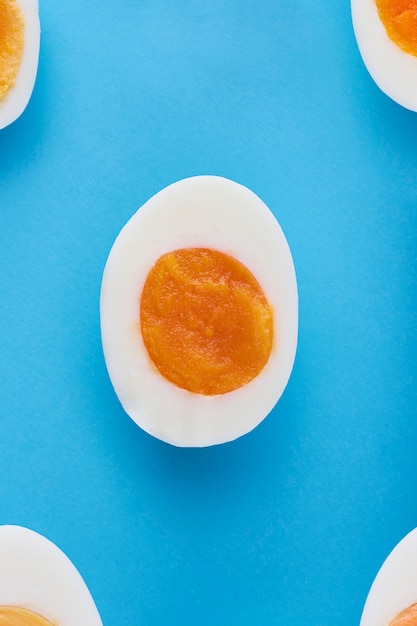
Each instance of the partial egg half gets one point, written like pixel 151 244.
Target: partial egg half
pixel 392 599
pixel 39 586
pixel 199 312
pixel 386 33
pixel 19 53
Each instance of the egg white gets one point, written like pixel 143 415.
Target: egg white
pixel 36 575
pixel 16 99
pixel 395 586
pixel 202 211
pixel 393 70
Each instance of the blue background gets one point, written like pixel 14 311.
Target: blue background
pixel 289 524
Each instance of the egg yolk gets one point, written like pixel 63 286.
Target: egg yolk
pixel 408 617
pixel 205 321
pixel 400 20
pixel 11 44
pixel 16 616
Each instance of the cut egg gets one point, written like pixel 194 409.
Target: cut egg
pixel 392 599
pixel 199 312
pixel 39 586
pixel 19 53
pixel 386 33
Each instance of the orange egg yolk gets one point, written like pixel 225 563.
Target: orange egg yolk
pixel 11 44
pixel 400 20
pixel 205 321
pixel 408 617
pixel 16 616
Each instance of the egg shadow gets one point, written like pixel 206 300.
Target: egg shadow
pixel 221 473
pixel 21 141
pixel 388 121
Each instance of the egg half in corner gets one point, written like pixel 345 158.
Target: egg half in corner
pixel 39 586
pixel 199 312
pixel 392 599
pixel 386 33
pixel 19 53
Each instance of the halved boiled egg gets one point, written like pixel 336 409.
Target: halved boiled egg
pixel 199 312
pixel 39 586
pixel 386 33
pixel 392 600
pixel 19 53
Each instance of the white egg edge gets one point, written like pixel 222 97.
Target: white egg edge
pixel 392 69
pixel 16 99
pixel 203 211
pixel 37 575
pixel 395 585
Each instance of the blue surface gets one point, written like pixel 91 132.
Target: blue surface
pixel 289 524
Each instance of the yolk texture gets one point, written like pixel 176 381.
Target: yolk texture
pixel 205 321
pixel 16 616
pixel 400 20
pixel 408 617
pixel 11 44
